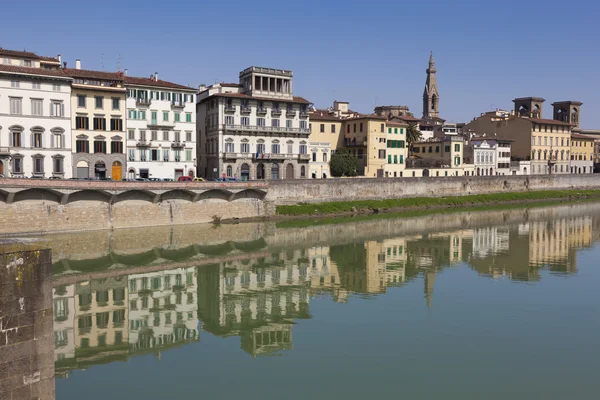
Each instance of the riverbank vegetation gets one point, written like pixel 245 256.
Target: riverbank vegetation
pixel 390 205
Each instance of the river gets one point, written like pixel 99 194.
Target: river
pixel 474 305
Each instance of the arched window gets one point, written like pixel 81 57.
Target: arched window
pixel 229 171
pixel 303 172
pixel 275 171
pixel 16 136
pixel 37 138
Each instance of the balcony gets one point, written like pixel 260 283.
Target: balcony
pixel 290 113
pixel 229 108
pixel 245 109
pixel 143 143
pixel 4 151
pixel 304 114
pixel 255 128
pixel 142 102
pixel 177 104
pixel 235 156
pixel 177 145
pixel 276 112
pixel 160 124
pixel 304 157
pixel 271 156
pixel 261 111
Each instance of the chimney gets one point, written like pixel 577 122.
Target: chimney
pixel 125 71
pixel 156 76
pixel 59 58
pixel 202 88
pixel 78 64
pixel 65 65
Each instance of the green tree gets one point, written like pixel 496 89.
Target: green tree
pixel 413 134
pixel 343 163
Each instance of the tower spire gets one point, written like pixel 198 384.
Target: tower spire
pixel 431 96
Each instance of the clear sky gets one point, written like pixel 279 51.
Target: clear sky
pixel 367 53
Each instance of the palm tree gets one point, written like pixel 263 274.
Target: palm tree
pixel 413 134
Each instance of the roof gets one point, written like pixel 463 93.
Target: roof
pixel 225 84
pixel 86 73
pixel 573 102
pixel 486 138
pixel 548 121
pixel 50 59
pixel 324 117
pixel 16 53
pixel 529 98
pixel 132 80
pixel 582 137
pixel 367 116
pixel 296 99
pixel 397 123
pixel 59 73
pixel 409 118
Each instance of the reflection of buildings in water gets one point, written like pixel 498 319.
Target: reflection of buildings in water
pixel 64 322
pixel 257 300
pixel 162 309
pixel 490 240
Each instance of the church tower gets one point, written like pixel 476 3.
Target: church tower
pixel 431 97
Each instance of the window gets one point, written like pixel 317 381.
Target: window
pixel 166 136
pixel 177 116
pixel 188 136
pixel 143 156
pixel 82 122
pixel 36 85
pixel 82 146
pixel 17 164
pixel 324 157
pixel 303 125
pixel 245 147
pixel 57 109
pixel 15 106
pixel 131 156
pixel 361 127
pixel 447 149
pixel 166 155
pixel 260 148
pixel 314 157
pixel 188 155
pixel 188 117
pixel 131 134
pixel 332 128
pixel 245 121
pixel 290 148
pixel 116 124
pixel 27 63
pixel 322 128
pixel 457 147
pixel 177 136
pixel 275 123
pixel 382 154
pixel 288 123
pixel 303 148
pixel 229 147
pixel 229 120
pixel 15 84
pixel 38 165
pixel 57 140
pixel 116 104
pixel 57 165
pixel 36 106
pixel 99 102
pixel 177 155
pixel 165 115
pixel 275 148
pixel 154 156
pixel 56 88
pixel 100 146
pixel 38 140
pixel 99 124
pixel 142 135
pixel 116 147
pixel 153 135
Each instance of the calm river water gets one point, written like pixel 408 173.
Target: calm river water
pixel 478 305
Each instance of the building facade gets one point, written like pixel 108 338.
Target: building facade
pixel 439 157
pixel 582 154
pixel 98 123
pixel 489 156
pixel 35 116
pixel 256 129
pixel 161 124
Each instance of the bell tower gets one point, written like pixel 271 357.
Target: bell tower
pixel 431 96
pixel 567 111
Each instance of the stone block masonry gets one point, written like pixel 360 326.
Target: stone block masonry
pixel 26 318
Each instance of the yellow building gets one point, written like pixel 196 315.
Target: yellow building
pixel 98 122
pixel 439 157
pixel 396 148
pixel 365 137
pixel 582 154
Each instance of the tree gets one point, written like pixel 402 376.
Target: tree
pixel 343 163
pixel 413 134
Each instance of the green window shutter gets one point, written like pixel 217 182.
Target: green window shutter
pixel 395 159
pixel 395 130
pixel 389 143
pixel 389 159
pixel 389 130
pixel 401 159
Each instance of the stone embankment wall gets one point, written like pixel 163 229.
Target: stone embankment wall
pixel 28 206
pixel 318 191
pixel 26 317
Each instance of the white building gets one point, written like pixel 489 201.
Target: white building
pixel 255 129
pixel 161 120
pixel 320 153
pixel 35 116
pixel 490 156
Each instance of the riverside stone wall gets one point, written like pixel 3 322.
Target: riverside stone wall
pixel 41 211
pixel 26 317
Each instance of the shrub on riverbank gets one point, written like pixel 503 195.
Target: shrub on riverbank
pixel 339 207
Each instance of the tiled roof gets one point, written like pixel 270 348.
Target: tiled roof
pixel 584 137
pixel 397 123
pixel 408 118
pixel 49 59
pixel 296 99
pixel 85 73
pixel 16 53
pixel 367 116
pixel 225 84
pixel 323 115
pixel 548 121
pixel 132 80
pixel 33 71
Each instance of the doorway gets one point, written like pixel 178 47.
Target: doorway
pixel 144 173
pixel 83 170
pixel 260 171
pixel 245 172
pixel 289 171
pixel 275 171
pixel 100 170
pixel 117 171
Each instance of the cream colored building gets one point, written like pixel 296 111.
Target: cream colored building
pixel 98 123
pixel 582 154
pixel 439 158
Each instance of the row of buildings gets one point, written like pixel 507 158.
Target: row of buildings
pixel 70 122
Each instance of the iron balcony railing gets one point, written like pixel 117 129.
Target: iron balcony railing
pixel 255 128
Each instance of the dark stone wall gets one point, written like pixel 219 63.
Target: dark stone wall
pixel 26 332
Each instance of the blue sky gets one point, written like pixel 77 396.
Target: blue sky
pixel 366 53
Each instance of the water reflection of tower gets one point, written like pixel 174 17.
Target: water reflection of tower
pixel 429 279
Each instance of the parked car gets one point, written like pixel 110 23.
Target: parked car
pixel 199 179
pixel 55 177
pixel 36 177
pixel 184 179
pixel 154 179
pixel 168 180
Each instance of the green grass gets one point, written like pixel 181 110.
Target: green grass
pixel 430 202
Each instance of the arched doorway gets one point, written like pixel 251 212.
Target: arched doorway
pixel 491 171
pixel 524 171
pixel 260 171
pixel 1 168
pixel 303 172
pixel 425 172
pixel 289 171
pixel 131 174
pixel 100 170
pixel 275 171
pixel 83 170
pixel 478 171
pixel 117 171
pixel 191 173
pixel 245 172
